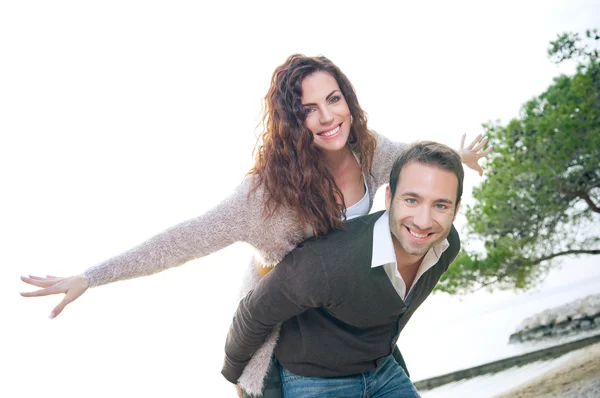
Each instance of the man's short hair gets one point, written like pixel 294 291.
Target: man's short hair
pixel 430 153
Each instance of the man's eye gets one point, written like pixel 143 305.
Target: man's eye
pixel 411 201
pixel 441 207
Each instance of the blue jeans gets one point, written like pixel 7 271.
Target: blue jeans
pixel 388 380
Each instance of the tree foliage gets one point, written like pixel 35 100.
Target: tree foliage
pixel 541 198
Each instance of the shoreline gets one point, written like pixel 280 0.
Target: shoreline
pixel 577 377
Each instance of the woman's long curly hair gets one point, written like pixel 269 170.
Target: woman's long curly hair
pixel 287 164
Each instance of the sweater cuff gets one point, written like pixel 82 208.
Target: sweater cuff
pixel 230 372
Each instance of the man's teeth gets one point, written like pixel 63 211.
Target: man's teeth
pixel 331 132
pixel 416 235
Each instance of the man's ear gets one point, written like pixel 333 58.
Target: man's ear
pixel 457 209
pixel 388 197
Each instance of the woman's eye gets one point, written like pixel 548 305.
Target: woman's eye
pixel 309 110
pixel 334 99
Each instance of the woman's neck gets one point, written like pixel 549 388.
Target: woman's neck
pixel 338 161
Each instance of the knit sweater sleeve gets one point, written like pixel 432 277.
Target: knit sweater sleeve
pixel 221 226
pixel 386 153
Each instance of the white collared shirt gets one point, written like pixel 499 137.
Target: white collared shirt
pixel 384 255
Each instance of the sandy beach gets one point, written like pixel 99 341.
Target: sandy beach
pixel 578 377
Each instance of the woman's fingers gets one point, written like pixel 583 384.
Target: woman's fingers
pixel 474 142
pixel 39 278
pixel 71 296
pixel 480 145
pixel 38 282
pixel 462 141
pixel 486 152
pixel 43 292
pixel 73 287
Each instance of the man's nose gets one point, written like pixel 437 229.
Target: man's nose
pixel 422 218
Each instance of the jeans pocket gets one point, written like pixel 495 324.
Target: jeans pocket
pixel 286 375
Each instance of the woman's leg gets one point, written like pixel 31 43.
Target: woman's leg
pixel 260 370
pixel 272 382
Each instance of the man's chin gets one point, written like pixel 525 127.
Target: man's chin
pixel 416 251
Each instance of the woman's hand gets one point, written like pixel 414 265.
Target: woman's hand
pixel 471 154
pixel 239 391
pixel 72 287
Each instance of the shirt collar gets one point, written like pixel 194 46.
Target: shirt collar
pixel 383 247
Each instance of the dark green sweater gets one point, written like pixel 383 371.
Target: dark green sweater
pixel 338 314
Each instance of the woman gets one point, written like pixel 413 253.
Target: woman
pixel 317 164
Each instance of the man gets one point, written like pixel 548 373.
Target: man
pixel 343 299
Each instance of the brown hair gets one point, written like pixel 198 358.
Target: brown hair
pixel 431 153
pixel 287 164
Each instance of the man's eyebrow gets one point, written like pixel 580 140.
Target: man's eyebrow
pixel 417 196
pixel 326 98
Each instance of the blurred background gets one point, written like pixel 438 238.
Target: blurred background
pixel 119 119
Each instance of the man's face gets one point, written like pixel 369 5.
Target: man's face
pixel 423 207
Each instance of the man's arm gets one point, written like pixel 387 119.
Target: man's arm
pixel 296 284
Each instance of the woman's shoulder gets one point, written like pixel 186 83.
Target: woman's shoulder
pixel 386 153
pixel 386 145
pixel 274 232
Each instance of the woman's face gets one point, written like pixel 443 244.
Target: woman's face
pixel 328 115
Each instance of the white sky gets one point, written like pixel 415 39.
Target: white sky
pixel 121 118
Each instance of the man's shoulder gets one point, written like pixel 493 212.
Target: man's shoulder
pixel 454 244
pixel 454 237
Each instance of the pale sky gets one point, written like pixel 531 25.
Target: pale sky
pixel 121 118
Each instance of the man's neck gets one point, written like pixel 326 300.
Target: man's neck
pixel 407 265
pixel 403 259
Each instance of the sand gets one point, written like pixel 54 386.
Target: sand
pixel 577 377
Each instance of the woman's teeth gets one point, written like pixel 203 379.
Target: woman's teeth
pixel 330 132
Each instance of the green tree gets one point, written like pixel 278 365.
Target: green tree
pixel 541 198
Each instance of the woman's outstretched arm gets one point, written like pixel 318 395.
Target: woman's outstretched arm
pixel 230 221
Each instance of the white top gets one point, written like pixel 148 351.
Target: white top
pixel 360 208
pixel 384 255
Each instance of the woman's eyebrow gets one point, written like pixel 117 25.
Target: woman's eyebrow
pixel 326 98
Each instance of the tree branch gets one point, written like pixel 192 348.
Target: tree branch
pixel 508 271
pixel 586 197
pixel 567 252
